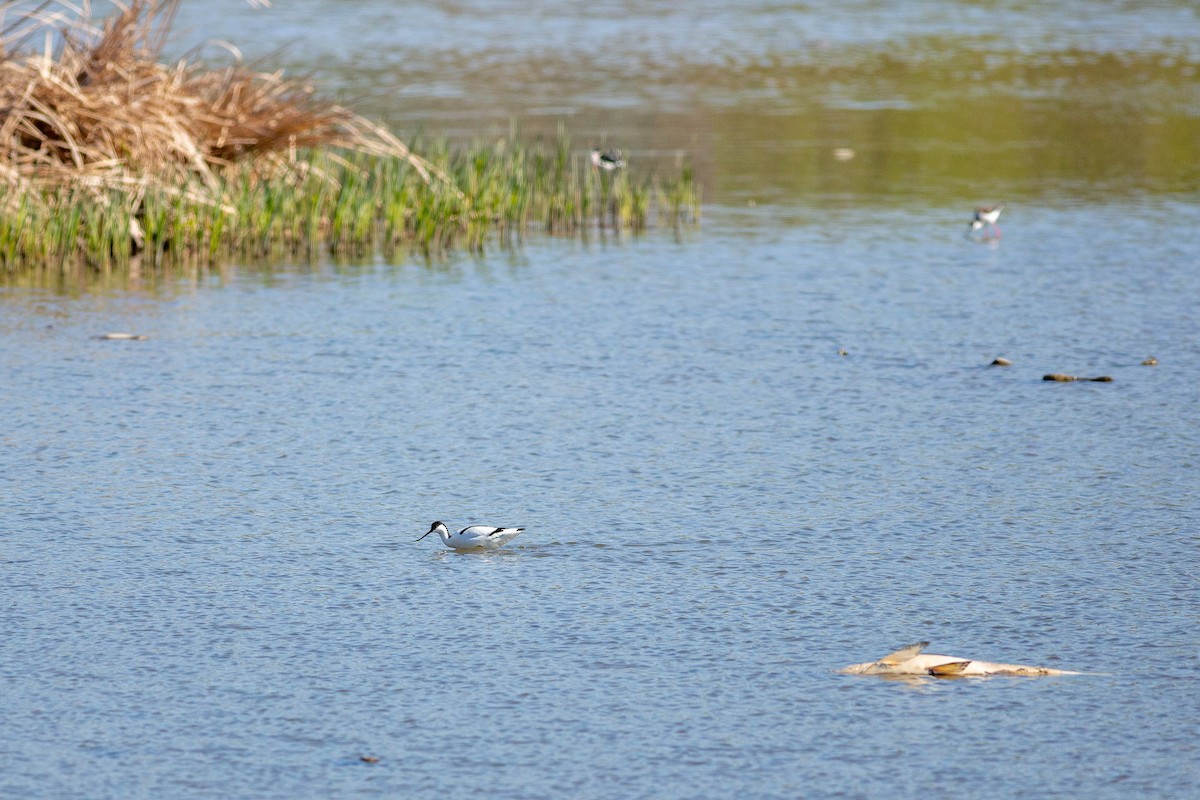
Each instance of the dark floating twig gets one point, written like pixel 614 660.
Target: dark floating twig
pixel 1061 378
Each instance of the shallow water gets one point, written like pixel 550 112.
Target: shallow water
pixel 210 585
pixel 212 588
pixel 943 102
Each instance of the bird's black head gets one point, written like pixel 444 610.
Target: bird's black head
pixel 432 528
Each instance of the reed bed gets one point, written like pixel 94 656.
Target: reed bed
pixel 329 203
pixel 108 155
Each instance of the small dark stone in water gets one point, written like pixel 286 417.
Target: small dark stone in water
pixel 1100 379
pixel 1150 362
pixel 1001 362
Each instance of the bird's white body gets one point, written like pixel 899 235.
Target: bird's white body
pixel 475 537
pixel 911 661
pixel 607 161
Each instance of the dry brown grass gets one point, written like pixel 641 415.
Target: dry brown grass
pixel 95 106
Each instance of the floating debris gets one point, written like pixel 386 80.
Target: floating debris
pixel 369 759
pixel 911 660
pixel 1001 362
pixel 1150 362
pixel 1061 378
pixel 124 337
pixel 843 153
pixel 843 351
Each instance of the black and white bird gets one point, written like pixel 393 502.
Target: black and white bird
pixel 608 160
pixel 986 218
pixel 476 536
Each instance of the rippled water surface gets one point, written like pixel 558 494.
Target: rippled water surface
pixel 943 101
pixel 212 589
pixel 210 586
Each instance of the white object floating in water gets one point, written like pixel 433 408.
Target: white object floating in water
pixel 843 153
pixel 911 661
pixel 126 337
pixel 476 536
pixel 608 161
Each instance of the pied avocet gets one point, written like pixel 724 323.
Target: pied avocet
pixel 476 536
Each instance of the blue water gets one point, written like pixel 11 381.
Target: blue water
pixel 210 585
pixel 208 580
pixel 615 35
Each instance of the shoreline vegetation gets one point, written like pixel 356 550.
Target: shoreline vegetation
pixel 109 157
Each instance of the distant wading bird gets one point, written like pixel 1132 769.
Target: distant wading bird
pixel 910 661
pixel 986 218
pixel 475 537
pixel 608 161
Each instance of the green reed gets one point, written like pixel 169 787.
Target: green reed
pixel 348 205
